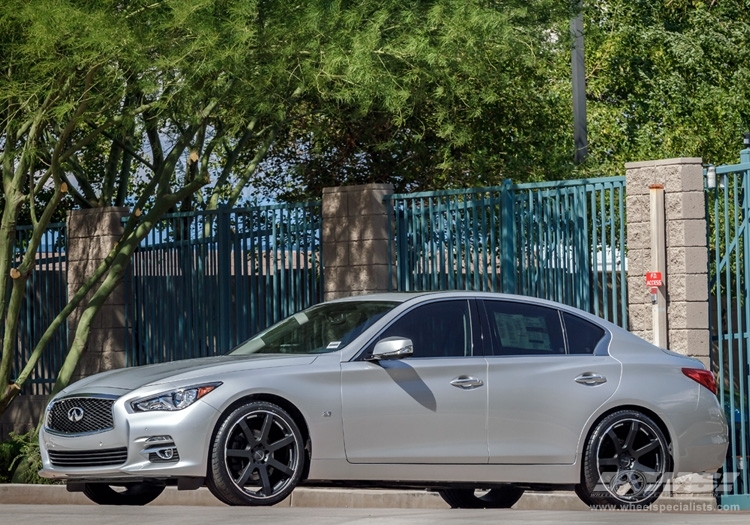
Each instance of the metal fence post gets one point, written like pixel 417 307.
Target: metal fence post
pixel 225 335
pixel 508 238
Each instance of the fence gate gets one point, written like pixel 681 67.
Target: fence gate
pixel 563 241
pixel 202 282
pixel 728 212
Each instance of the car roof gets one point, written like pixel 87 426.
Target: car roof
pixel 417 296
pixel 402 297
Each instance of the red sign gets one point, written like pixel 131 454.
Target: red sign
pixel 653 279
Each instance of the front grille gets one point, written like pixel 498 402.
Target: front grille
pixel 88 458
pixel 81 415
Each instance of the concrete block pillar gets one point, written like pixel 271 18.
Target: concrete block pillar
pixel 355 240
pixel 686 278
pixel 91 235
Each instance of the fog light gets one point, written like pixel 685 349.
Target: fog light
pixel 161 450
pixel 163 454
pixel 166 454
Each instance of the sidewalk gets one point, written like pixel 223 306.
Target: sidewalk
pixel 322 497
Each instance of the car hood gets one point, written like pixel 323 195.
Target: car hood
pixel 127 379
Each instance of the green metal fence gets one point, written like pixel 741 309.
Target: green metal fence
pixel 202 282
pixel 563 241
pixel 46 296
pixel 728 212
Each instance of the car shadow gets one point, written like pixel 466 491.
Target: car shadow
pixel 408 379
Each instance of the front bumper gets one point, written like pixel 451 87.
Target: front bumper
pixel 141 445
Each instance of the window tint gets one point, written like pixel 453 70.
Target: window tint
pixel 441 329
pixel 524 329
pixel 583 336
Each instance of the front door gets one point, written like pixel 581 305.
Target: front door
pixel 428 408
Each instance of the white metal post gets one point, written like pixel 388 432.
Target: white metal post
pixel 659 264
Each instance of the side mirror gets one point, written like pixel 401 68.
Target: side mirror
pixel 392 348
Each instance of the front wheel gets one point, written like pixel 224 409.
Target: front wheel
pixel 257 457
pixel 498 498
pixel 626 461
pixel 127 494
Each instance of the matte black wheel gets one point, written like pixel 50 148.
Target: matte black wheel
pixel 626 461
pixel 257 457
pixel 127 494
pixel 497 498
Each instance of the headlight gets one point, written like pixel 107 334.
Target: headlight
pixel 174 399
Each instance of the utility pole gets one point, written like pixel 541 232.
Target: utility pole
pixel 579 87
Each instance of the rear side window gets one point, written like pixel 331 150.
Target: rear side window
pixel 524 329
pixel 582 335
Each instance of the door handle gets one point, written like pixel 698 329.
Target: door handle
pixel 589 378
pixel 467 382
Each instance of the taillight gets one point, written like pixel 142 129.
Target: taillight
pixel 704 377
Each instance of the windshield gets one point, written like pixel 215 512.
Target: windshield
pixel 317 330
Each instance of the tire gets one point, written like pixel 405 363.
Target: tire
pixel 626 462
pixel 127 494
pixel 498 498
pixel 257 456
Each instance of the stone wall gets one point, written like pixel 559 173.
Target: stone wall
pixel 686 278
pixel 355 234
pixel 92 233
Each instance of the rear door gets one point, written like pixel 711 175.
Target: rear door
pixel 548 374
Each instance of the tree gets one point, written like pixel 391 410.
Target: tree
pixel 115 104
pixel 171 105
pixel 430 95
pixel 666 79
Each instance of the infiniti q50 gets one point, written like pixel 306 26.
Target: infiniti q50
pixel 478 396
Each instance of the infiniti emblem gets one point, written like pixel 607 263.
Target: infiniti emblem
pixel 75 414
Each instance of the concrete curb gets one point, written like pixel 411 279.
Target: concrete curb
pixel 326 497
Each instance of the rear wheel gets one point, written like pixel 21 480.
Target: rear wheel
pixel 498 498
pixel 126 494
pixel 257 457
pixel 626 461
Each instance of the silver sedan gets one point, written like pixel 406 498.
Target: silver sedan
pixel 479 396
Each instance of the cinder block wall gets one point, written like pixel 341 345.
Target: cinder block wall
pixel 92 233
pixel 355 233
pixel 686 277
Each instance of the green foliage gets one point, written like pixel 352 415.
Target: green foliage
pixel 427 95
pixel 10 450
pixel 115 104
pixel 667 79
pixel 20 459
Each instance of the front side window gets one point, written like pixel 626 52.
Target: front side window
pixel 317 330
pixel 524 329
pixel 439 329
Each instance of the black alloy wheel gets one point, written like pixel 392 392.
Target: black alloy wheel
pixel 257 456
pixel 626 462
